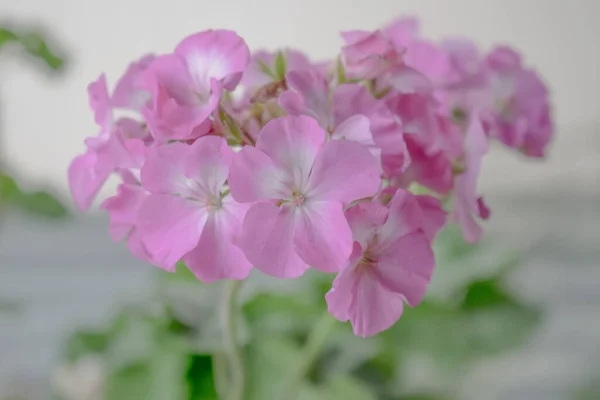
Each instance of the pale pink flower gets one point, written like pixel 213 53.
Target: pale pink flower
pixel 300 184
pixel 129 93
pixel 188 214
pixel 256 75
pixel 186 86
pixel 391 263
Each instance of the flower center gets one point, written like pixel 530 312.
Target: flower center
pixel 298 198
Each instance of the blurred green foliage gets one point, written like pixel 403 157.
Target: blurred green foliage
pixel 34 45
pixel 36 203
pixel 481 319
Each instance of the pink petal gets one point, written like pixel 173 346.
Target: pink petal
pixel 100 102
pixel 268 240
pixel 434 216
pixel 86 179
pixel 323 238
pixel 343 290
pixel 365 219
pixel 404 217
pixel 218 54
pixel 128 93
pixel 344 171
pixel 357 129
pixel 208 162
pixel 373 309
pixel 216 257
pixel 170 227
pixel 308 95
pixel 254 177
pixel 164 170
pixel 122 209
pixel 402 31
pixel 292 143
pixel 406 266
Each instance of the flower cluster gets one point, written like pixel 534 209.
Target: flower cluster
pixel 230 160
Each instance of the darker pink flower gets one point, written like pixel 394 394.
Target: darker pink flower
pixel 391 263
pixel 186 86
pixel 300 184
pixel 188 214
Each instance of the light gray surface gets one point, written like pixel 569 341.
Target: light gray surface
pixel 67 274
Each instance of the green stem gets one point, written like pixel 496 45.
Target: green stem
pixel 219 366
pixel 314 345
pixel 233 350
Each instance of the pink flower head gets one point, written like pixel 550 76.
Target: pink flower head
pixel 186 86
pixel 521 110
pixel 188 214
pixel 129 93
pixel 467 204
pixel 349 112
pixel 391 263
pixel 300 183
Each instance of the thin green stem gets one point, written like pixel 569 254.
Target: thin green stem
pixel 314 345
pixel 234 352
pixel 219 366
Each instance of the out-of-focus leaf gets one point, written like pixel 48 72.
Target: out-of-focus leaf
pixel 162 377
pixel 484 293
pixel 83 343
pixel 345 387
pixel 181 274
pixel 280 65
pixel 268 363
pixel 6 35
pixel 200 379
pixel 41 204
pixel 36 45
pixel 265 68
pixel 8 188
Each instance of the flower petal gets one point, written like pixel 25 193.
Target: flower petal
pixel 171 227
pixel 292 143
pixel 356 129
pixel 344 171
pixel 208 162
pixel 218 54
pixel 365 219
pixel 216 257
pixel 86 178
pixel 374 309
pixel 100 102
pixel 341 295
pixel 122 210
pixel 308 95
pixel 434 216
pixel 164 170
pixel 406 267
pixel 404 217
pixel 254 177
pixel 268 240
pixel 323 238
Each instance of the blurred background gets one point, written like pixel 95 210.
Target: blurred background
pixel 516 317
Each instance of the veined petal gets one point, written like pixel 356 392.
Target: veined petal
pixel 164 170
pixel 404 217
pixel 323 238
pixel 122 210
pixel 406 267
pixel 216 256
pixel 356 129
pixel 344 171
pixel 218 54
pixel 100 102
pixel 308 95
pixel 86 178
pixel 254 177
pixel 343 290
pixel 208 163
pixel 292 143
pixel 373 309
pixel 268 240
pixel 365 219
pixel 170 227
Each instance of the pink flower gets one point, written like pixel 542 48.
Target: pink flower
pixel 467 203
pixel 521 110
pixel 186 86
pixel 300 184
pixel 128 93
pixel 391 263
pixel 256 75
pixel 187 214
pixel 348 112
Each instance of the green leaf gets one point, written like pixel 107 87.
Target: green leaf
pixel 200 378
pixel 181 274
pixel 341 72
pixel 8 187
pixel 280 65
pixel 35 45
pixel 41 203
pixel 265 68
pixel 84 343
pixel 6 36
